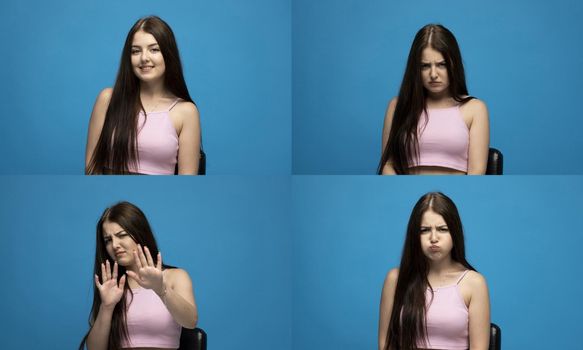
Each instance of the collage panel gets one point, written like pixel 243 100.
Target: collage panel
pixel 231 236
pixel 236 65
pixel 521 235
pixel 351 59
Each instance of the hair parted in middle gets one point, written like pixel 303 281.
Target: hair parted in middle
pixel 407 325
pixel 116 148
pixel 402 147
pixel 135 223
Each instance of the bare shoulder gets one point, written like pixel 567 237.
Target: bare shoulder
pixel 476 107
pixel 392 276
pixel 186 110
pixel 391 107
pixel 177 276
pixel 475 280
pixel 104 97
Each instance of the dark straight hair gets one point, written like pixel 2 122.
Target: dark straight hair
pixel 407 324
pixel 402 147
pixel 135 223
pixel 116 149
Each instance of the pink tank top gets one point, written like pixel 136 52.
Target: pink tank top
pixel 444 141
pixel 150 324
pixel 447 318
pixel 157 143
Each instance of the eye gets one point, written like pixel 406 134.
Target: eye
pixel 443 229
pixel 156 49
pixel 134 51
pixel 107 240
pixel 425 65
pixel 442 65
pixel 424 229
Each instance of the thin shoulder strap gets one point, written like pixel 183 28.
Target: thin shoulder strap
pixel 462 276
pixel 174 103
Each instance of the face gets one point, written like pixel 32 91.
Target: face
pixel 146 57
pixel 118 243
pixel 436 241
pixel 434 72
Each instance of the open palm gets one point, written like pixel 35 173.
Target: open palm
pixel 110 290
pixel 149 275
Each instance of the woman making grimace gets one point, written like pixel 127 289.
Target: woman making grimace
pixel 434 126
pixel 138 302
pixel 435 299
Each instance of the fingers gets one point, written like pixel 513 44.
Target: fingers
pixel 122 282
pixel 108 269
pixel 115 271
pixel 103 274
pixel 159 266
pixel 137 258
pixel 149 257
pixel 97 284
pixel 142 256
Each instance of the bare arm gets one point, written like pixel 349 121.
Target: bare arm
pixel 386 307
pixel 96 123
pixel 387 167
pixel 179 298
pixel 479 313
pixel 479 138
pixel 111 293
pixel 189 139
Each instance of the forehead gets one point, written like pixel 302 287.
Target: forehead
pixel 429 54
pixel 432 218
pixel 142 38
pixel 109 228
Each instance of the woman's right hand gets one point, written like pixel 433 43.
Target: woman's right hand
pixel 109 290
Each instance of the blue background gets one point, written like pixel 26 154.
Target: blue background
pixel 231 235
pixel 523 58
pixel 59 55
pixel 522 233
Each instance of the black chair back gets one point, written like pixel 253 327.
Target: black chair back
pixel 495 337
pixel 192 339
pixel 495 162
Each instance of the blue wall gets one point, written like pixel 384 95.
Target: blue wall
pixel 59 54
pixel 523 58
pixel 231 235
pixel 522 233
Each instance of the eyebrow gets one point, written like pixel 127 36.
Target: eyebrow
pixel 154 44
pixel 426 62
pixel 115 234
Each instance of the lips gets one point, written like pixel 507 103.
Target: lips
pixel 146 68
pixel 434 248
pixel 119 253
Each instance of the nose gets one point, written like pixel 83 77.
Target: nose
pixel 433 72
pixel 115 242
pixel 433 238
pixel 144 56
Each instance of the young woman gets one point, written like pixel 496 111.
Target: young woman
pixel 151 302
pixel 434 126
pixel 435 299
pixel 146 124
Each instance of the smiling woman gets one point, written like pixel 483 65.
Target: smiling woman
pixel 148 123
pixel 148 309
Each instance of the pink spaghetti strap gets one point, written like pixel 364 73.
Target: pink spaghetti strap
pixel 174 104
pixel 462 276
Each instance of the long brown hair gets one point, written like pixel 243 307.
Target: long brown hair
pixel 116 149
pixel 134 222
pixel 407 324
pixel 403 145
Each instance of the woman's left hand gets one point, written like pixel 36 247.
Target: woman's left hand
pixel 149 275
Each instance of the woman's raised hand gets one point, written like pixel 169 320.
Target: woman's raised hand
pixel 109 290
pixel 149 274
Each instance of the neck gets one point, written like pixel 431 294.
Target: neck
pixel 439 100
pixel 152 90
pixel 442 266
